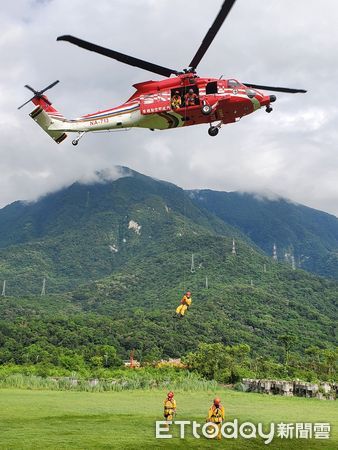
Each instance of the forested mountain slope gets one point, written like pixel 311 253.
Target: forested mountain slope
pixel 85 232
pixel 309 235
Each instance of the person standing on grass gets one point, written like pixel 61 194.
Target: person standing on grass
pixel 169 408
pixel 216 415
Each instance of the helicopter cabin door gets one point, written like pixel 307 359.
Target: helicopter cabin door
pixel 155 103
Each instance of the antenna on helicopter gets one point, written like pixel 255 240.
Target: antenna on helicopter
pixel 39 94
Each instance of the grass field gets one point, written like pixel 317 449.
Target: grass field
pixel 126 420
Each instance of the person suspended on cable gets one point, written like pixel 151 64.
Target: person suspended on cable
pixel 169 407
pixel 184 305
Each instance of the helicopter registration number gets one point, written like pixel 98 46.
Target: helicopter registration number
pixel 98 121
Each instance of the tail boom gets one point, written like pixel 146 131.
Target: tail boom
pixel 49 119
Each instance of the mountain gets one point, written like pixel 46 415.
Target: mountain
pixel 117 256
pixel 85 232
pixel 305 234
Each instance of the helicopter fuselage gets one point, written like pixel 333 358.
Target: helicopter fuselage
pixel 152 106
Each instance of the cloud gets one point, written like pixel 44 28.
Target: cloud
pixel 292 151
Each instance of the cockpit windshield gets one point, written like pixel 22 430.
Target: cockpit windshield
pixel 233 84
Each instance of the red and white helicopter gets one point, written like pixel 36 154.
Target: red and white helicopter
pixel 182 100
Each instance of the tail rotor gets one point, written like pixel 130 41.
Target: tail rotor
pixel 39 94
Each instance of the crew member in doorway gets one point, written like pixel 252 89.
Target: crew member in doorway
pixel 190 98
pixel 185 304
pixel 176 101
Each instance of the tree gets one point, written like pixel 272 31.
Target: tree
pixel 210 360
pixel 314 356
pixel 36 354
pixel 330 361
pixel 288 341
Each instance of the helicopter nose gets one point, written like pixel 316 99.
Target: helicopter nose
pixel 273 98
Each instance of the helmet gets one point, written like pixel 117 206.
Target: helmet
pixel 191 91
pixel 170 394
pixel 188 293
pixel 177 92
pixel 217 401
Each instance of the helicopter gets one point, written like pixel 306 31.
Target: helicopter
pixel 181 99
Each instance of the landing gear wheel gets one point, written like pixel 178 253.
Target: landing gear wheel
pixel 80 136
pixel 213 131
pixel 206 110
pixel 268 109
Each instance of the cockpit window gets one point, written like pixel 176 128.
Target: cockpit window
pixel 233 84
pixel 211 88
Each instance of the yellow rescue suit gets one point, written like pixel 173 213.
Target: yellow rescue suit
pixel 216 415
pixel 169 408
pixel 176 102
pixel 185 303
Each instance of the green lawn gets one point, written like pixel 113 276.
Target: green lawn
pixel 126 420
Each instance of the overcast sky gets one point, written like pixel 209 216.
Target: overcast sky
pixel 291 152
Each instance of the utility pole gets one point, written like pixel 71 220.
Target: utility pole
pixel 233 251
pixel 192 269
pixel 206 282
pixel 274 252
pixel 4 289
pixel 264 268
pixel 251 283
pixel 43 290
pixel 293 263
pixel 290 259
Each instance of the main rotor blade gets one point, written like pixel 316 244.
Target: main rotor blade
pixel 164 71
pixel 213 30
pixel 276 89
